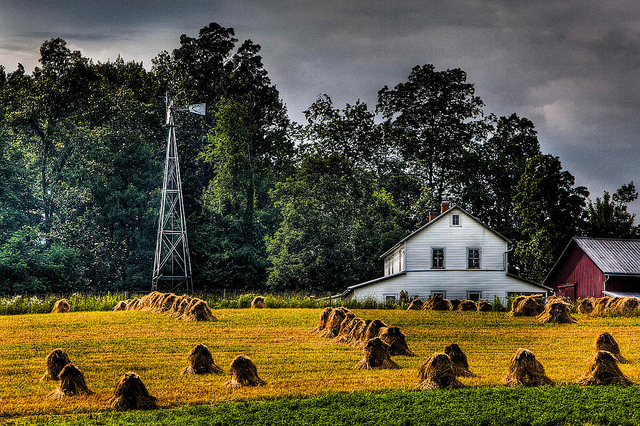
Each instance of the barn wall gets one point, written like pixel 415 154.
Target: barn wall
pixel 455 240
pixel 455 284
pixel 577 268
pixel 623 284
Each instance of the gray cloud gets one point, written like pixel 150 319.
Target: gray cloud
pixel 568 66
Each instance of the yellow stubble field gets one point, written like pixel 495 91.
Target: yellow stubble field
pixel 293 361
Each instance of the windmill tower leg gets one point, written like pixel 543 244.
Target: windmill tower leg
pixel 172 263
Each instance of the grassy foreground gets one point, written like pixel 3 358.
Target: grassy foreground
pixel 566 405
pixel 297 364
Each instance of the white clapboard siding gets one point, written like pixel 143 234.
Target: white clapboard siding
pixel 456 240
pixel 455 284
pixel 408 265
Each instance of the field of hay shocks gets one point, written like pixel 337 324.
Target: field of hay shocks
pixel 293 361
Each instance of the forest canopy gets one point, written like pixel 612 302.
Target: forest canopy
pixel 270 203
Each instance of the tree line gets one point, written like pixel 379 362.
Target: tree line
pixel 270 203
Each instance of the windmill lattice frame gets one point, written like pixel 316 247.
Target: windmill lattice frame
pixel 172 261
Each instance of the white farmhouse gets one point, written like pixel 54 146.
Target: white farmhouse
pixel 454 255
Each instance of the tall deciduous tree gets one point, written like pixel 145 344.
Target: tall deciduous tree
pixel 493 170
pixel 44 110
pixel 551 211
pixel 608 216
pixel 336 222
pixel 235 85
pixel 433 119
pixel 351 133
pixel 234 255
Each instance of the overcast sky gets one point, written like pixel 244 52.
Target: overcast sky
pixel 571 67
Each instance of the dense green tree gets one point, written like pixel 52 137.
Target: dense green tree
pixel 28 263
pixel 432 119
pixel 44 110
pixel 108 201
pixel 235 254
pixel 336 222
pixel 17 202
pixel 551 211
pixel 351 133
pixel 609 218
pixel 493 170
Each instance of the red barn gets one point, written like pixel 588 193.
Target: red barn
pixel 593 267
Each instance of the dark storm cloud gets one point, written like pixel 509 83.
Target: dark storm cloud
pixel 571 67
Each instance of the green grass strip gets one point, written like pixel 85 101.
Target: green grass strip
pixel 563 405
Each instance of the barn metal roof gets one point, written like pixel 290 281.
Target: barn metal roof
pixel 612 256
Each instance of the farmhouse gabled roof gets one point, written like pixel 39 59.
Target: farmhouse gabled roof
pixel 439 217
pixel 611 256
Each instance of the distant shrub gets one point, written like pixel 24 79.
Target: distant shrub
pixel 498 306
pixel 20 304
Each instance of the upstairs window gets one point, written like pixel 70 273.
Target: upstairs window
pixel 437 256
pixel 455 220
pixel 473 258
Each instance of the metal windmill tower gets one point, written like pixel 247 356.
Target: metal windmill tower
pixel 172 262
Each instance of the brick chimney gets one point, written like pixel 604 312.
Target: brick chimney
pixel 444 206
pixel 432 215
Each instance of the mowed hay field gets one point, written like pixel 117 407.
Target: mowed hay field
pixel 293 361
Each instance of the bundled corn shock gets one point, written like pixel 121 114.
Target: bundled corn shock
pixel 556 311
pixel 376 355
pixel 604 370
pixel 459 360
pixel 243 373
pixel 606 342
pixel 131 394
pixel 200 361
pixel 61 307
pixel 71 382
pixel 526 370
pixel 258 303
pixel 437 372
pixel 183 307
pixel 54 363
